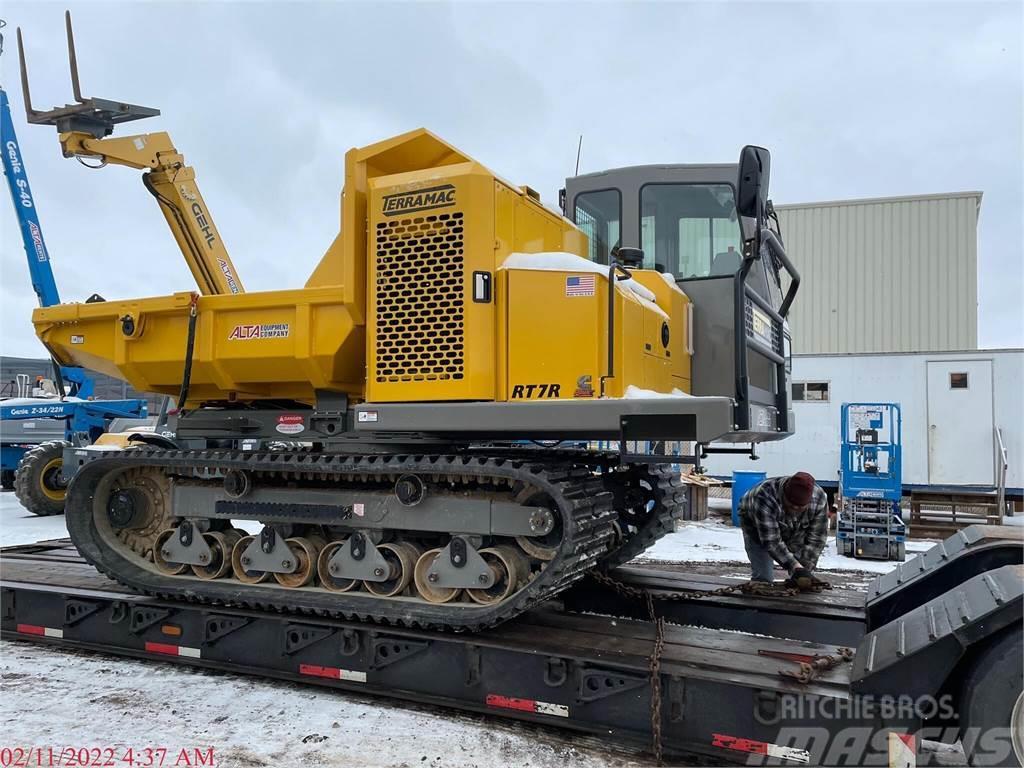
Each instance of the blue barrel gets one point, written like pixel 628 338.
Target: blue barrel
pixel 742 482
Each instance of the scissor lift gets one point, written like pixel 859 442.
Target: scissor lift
pixel 870 523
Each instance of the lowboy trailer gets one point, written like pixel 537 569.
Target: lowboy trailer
pixel 825 679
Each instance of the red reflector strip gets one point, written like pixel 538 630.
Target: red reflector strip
pixel 738 744
pixel 332 673
pixel 33 629
pixel 909 739
pixel 526 705
pixel 760 748
pixel 173 650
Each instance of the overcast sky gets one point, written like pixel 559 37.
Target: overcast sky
pixel 854 100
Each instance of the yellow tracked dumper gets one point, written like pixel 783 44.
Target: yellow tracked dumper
pixel 411 436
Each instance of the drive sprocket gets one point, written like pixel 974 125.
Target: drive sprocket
pixel 154 490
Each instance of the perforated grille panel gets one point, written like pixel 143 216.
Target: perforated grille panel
pixel 420 267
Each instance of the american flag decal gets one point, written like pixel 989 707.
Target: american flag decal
pixel 579 285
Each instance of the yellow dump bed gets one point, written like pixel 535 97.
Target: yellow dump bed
pixel 275 344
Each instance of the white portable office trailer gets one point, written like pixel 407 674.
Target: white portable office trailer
pixel 956 408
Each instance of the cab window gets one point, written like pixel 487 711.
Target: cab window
pixel 599 215
pixel 690 230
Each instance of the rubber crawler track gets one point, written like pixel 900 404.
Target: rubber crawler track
pixel 584 499
pixel 670 500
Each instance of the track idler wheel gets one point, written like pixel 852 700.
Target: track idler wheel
pixel 540 547
pixel 509 568
pixel 222 545
pixel 402 558
pixel 428 591
pixel 305 553
pixel 240 569
pixel 163 565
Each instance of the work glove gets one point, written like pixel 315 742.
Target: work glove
pixel 802 579
pixel 819 584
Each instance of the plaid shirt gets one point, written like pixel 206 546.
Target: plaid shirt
pixel 791 540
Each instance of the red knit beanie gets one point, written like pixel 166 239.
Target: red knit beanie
pixel 799 489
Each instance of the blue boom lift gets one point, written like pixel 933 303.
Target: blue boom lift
pixel 34 469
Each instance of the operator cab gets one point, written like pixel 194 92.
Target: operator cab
pixel 686 221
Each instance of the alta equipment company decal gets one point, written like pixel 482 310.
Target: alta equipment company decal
pixel 290 424
pixel 37 241
pixel 228 275
pixel 262 331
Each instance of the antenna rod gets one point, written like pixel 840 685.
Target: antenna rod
pixel 579 148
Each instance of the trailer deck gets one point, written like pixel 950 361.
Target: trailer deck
pixel 582 663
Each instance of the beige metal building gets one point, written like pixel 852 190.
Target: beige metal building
pixel 893 274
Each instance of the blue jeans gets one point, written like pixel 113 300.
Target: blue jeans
pixel 762 565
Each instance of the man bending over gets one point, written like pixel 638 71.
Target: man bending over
pixel 785 521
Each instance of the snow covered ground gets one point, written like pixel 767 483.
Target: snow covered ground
pixel 55 698
pixel 18 526
pixel 715 540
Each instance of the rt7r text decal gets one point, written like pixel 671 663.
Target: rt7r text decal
pixel 527 391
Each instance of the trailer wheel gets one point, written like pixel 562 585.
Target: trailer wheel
pixel 7 479
pixel 37 481
pixel 992 703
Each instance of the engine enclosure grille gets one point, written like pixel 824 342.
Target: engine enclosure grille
pixel 420 266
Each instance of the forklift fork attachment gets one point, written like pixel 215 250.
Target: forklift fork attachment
pixel 96 117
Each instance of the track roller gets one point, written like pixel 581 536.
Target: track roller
pixel 327 580
pixel 222 545
pixel 509 568
pixel 242 573
pixel 426 590
pixel 305 553
pixel 165 566
pixel 402 558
